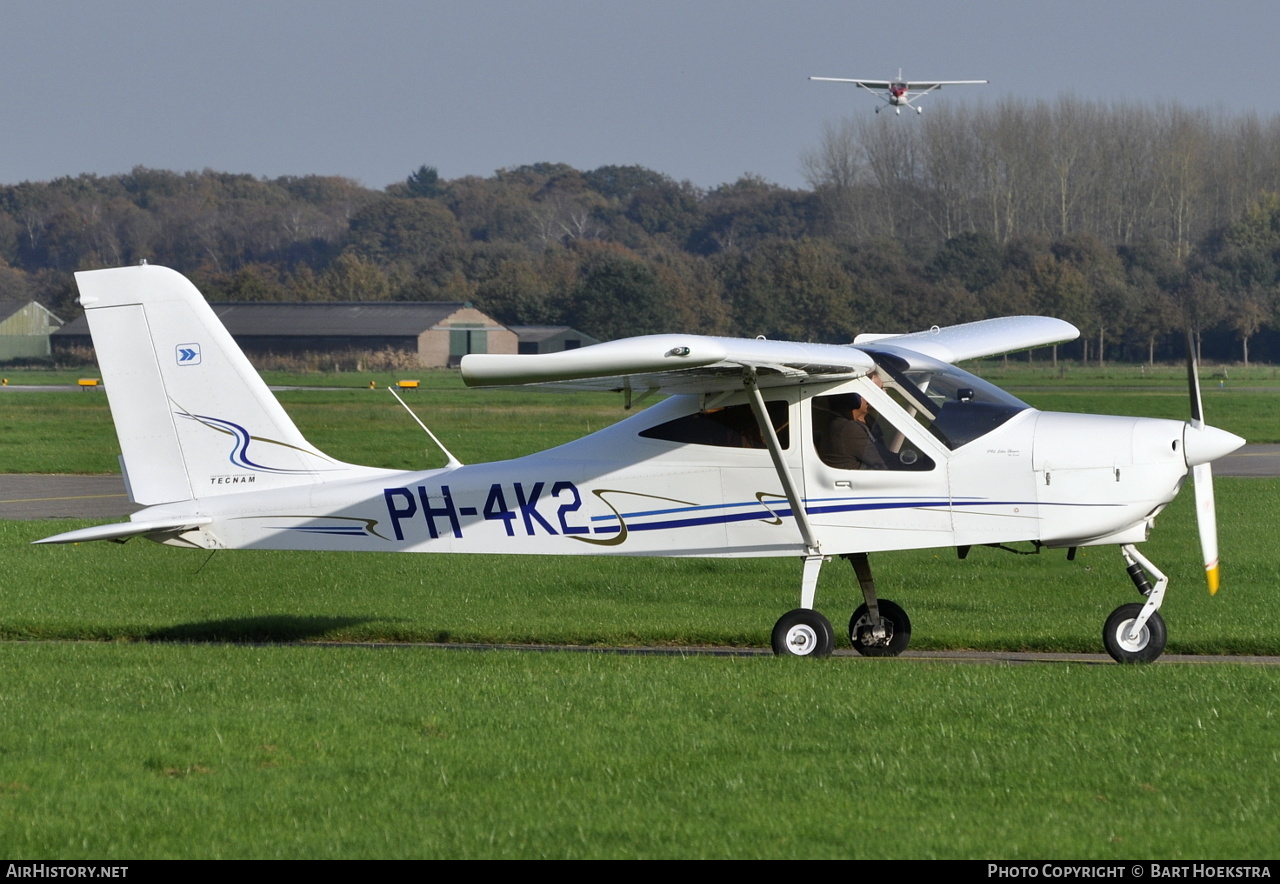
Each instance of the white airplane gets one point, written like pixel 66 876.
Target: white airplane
pixel 757 451
pixel 901 93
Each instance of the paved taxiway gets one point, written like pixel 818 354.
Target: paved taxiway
pixel 63 497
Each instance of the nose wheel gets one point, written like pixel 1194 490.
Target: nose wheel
pixel 1126 646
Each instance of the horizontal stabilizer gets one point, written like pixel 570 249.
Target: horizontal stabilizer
pixel 975 340
pixel 125 530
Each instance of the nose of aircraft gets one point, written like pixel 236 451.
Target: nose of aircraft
pixel 1205 444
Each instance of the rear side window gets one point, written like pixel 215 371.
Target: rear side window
pixel 731 427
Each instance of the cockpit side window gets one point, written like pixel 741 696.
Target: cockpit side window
pixel 732 426
pixel 848 434
pixel 953 405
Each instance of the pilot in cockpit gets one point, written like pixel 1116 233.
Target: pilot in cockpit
pixel 850 441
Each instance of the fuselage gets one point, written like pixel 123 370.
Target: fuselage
pixel 669 481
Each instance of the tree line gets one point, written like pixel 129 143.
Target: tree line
pixel 1132 222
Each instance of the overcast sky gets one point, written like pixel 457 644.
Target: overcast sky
pixel 704 90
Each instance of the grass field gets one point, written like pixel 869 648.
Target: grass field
pixel 135 751
pixel 122 739
pixel 72 432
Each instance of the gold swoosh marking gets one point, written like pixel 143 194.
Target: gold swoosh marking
pixel 622 524
pixel 760 496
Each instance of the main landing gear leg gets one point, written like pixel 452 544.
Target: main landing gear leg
pixel 1135 633
pixel 804 632
pixel 878 628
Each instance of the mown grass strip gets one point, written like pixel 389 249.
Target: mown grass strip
pixel 160 751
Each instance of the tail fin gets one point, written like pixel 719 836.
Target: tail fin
pixel 193 417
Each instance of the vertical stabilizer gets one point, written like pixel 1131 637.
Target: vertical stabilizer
pixel 193 417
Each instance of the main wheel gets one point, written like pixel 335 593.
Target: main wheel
pixel 897 631
pixel 1149 643
pixel 803 633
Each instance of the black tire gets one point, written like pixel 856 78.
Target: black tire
pixel 1150 642
pixel 897 627
pixel 803 633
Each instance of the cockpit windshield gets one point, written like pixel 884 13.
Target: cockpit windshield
pixel 955 406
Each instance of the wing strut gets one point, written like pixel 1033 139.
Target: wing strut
pixel 770 436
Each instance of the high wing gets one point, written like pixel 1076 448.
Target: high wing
pixel 669 364
pixel 914 85
pixel 975 340
pixel 920 85
pixel 865 84
pixel 700 364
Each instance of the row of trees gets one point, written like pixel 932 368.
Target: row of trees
pixel 1130 222
pixel 1123 173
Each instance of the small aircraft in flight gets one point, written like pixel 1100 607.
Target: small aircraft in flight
pixel 901 93
pixel 761 448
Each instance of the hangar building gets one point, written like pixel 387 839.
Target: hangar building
pixel 441 333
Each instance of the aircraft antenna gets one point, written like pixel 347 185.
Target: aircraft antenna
pixel 448 456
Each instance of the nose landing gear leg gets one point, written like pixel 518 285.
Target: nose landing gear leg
pixel 1135 633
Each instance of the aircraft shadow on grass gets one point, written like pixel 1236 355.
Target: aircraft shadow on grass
pixel 269 628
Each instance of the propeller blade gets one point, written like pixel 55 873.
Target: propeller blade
pixel 1206 444
pixel 1207 519
pixel 1193 384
